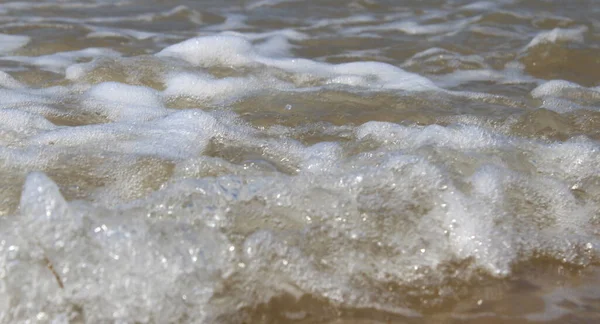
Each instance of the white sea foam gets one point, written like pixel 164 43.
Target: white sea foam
pixel 575 35
pixel 10 43
pixel 415 27
pixel 8 81
pixel 58 62
pixel 237 52
pixel 193 185
pixel 483 5
pixel 208 88
pixel 564 96
pixel 120 101
pixel 120 32
pixel 207 51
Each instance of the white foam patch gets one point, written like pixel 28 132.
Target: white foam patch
pixel 238 52
pixel 553 88
pixel 564 96
pixel 287 33
pixel 23 122
pixel 274 43
pixel 70 257
pixel 123 102
pixel 415 27
pixel 575 35
pixel 459 137
pixel 22 5
pixel 556 210
pixel 208 88
pixel 497 32
pixel 575 159
pixel 77 71
pixel 47 213
pixel 483 5
pixel 391 211
pixel 190 130
pixel 390 77
pixel 24 97
pixel 464 69
pixel 103 32
pixel 212 50
pixel 125 94
pixel 507 76
pixel 59 62
pixel 338 22
pixel 7 81
pixel 17 125
pixel 10 43
pixel 265 3
pixel 321 157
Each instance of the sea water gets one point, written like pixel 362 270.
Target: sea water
pixel 286 161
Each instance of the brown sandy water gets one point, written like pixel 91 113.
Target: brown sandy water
pixel 281 161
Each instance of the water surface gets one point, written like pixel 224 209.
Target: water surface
pixel 281 161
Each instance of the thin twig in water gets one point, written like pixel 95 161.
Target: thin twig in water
pixel 51 268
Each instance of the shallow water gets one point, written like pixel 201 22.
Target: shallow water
pixel 281 161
